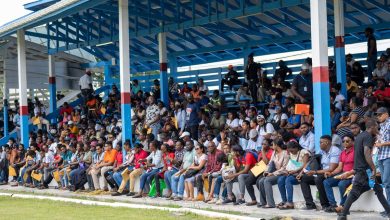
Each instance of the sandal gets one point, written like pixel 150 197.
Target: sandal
pixel 268 207
pixel 280 204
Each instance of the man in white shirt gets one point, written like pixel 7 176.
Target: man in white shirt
pixel 307 138
pixel 85 84
pixel 255 141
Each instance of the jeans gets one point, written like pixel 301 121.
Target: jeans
pixel 146 178
pixel 286 187
pixel 117 178
pixel 241 184
pixel 265 188
pixel 217 188
pixel 360 185
pixel 167 177
pixel 331 182
pixel 384 167
pixel 73 176
pixel 177 185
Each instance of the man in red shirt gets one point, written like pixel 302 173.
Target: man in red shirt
pixel 66 108
pixel 383 92
pixel 132 172
pixel 244 161
pixel 211 167
pixel 342 175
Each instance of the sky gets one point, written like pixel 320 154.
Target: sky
pixel 11 11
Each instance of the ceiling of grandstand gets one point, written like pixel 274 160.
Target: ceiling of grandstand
pixel 198 31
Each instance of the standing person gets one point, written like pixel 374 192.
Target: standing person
pixel 363 160
pixel 302 86
pixel 251 73
pixel 153 116
pixel 383 144
pixel 85 84
pixel 371 51
pixel 192 119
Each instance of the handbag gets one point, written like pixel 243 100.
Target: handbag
pixel 314 162
pixel 293 165
pixel 190 173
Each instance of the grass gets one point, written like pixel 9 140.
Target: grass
pixel 86 197
pixel 18 208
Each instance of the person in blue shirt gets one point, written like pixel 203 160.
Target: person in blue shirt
pixel 192 119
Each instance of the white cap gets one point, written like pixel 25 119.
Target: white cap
pixel 70 122
pixel 260 117
pixel 186 133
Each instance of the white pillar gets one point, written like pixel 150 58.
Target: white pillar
pixel 339 45
pixel 5 101
pixel 319 45
pixel 22 77
pixel 124 67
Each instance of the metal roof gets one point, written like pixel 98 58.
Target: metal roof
pixel 199 31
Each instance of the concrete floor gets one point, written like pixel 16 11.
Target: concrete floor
pixel 242 210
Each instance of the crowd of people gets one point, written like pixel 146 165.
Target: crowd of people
pixel 196 149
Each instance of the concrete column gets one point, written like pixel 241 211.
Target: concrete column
pixel 124 67
pixel 162 49
pixel 52 87
pixel 339 45
pixel 5 101
pixel 321 93
pixel 22 75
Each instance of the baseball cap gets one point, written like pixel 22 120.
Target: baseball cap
pixel 260 117
pixel 186 133
pixel 253 133
pixel 381 110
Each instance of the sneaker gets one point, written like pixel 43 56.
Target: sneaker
pixel 130 194
pixel 213 201
pixel 219 202
pixel 239 202
pixel 226 201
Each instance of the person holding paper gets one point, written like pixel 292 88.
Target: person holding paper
pixel 342 175
pixel 298 159
pixel 264 156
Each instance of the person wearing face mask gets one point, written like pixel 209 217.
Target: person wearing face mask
pixel 177 180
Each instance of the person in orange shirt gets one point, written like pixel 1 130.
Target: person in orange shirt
pixel 103 166
pixel 195 92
